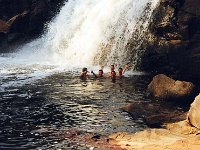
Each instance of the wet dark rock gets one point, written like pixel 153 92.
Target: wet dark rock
pixel 19 23
pixel 3 39
pixel 154 115
pixel 4 27
pixel 166 88
pixel 26 18
pixel 12 37
pixel 173 42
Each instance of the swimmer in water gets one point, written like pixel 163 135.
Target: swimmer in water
pixel 122 71
pixel 113 76
pixel 112 68
pixel 100 74
pixel 84 73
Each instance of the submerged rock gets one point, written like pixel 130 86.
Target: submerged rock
pixel 194 113
pixel 163 87
pixel 154 114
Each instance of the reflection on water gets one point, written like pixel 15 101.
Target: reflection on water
pixel 36 116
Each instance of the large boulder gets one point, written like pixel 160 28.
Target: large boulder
pixel 194 113
pixel 164 87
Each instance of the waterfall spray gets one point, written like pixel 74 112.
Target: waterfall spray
pixel 93 32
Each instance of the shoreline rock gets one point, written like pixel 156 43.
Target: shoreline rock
pixel 176 136
pixel 182 135
pixel 194 113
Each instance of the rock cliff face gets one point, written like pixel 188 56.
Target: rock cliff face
pixel 21 20
pixel 173 43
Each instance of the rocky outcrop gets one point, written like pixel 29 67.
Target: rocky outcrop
pixel 194 113
pixel 21 20
pixel 164 87
pixel 173 42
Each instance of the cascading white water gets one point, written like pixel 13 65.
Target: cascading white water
pixel 87 33
pixel 91 31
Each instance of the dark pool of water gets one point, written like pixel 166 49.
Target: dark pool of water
pixel 37 115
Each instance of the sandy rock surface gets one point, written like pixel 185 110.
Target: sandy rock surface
pixel 177 136
pixel 194 113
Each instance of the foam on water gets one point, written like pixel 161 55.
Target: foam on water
pixel 84 33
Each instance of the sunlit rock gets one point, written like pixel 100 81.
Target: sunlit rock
pixel 194 113
pixel 177 136
pixel 164 87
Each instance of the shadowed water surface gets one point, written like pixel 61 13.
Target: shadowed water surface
pixel 38 115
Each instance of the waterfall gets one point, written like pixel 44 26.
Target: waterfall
pixel 92 32
pixel 84 33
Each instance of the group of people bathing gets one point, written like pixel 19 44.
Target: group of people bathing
pixel 112 74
